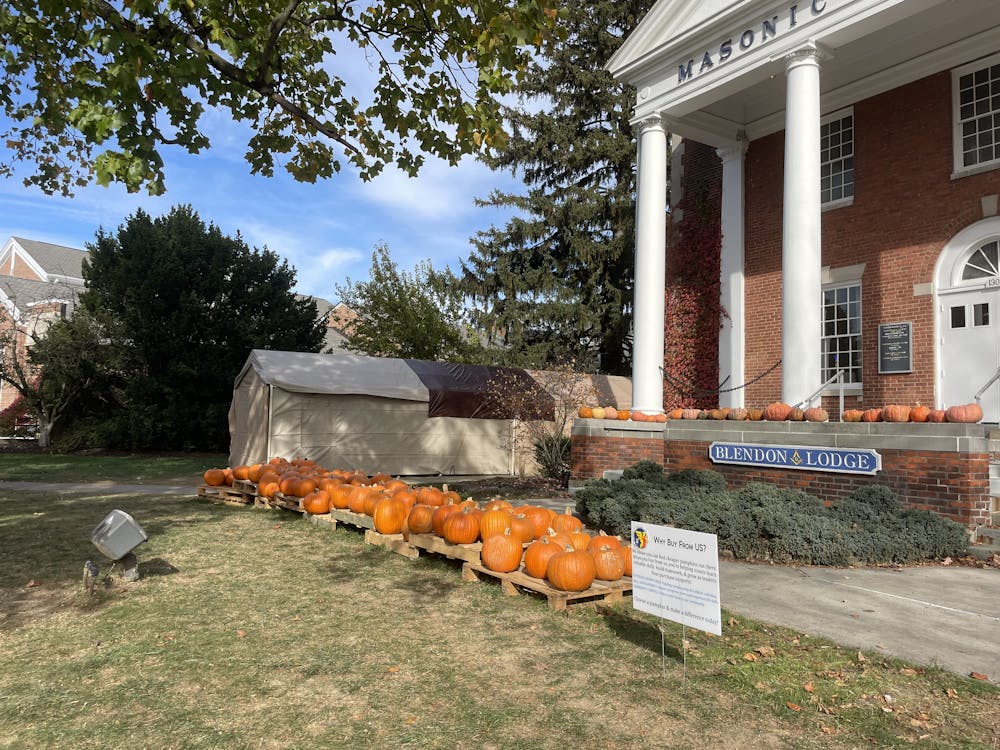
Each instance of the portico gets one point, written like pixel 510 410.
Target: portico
pixel 726 73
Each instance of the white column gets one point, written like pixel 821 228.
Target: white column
pixel 732 333
pixel 650 262
pixel 801 259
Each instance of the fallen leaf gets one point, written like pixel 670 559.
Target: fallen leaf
pixel 393 670
pixel 750 656
pixel 732 622
pixel 861 657
pixel 33 583
pixel 765 651
pixel 411 719
pixel 946 561
pixel 951 693
pixel 808 687
pixel 908 672
pixel 296 619
pixel 241 633
pixel 979 676
pixel 826 730
pixel 793 706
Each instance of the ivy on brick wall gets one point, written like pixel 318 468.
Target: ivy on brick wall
pixel 692 305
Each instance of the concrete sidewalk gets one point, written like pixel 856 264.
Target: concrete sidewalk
pixel 948 616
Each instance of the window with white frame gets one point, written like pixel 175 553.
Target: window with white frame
pixel 841 343
pixel 976 97
pixel 836 141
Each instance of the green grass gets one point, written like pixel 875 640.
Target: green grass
pixel 56 467
pixel 257 629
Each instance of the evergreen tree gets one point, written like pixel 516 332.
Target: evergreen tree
pixel 183 305
pixel 556 282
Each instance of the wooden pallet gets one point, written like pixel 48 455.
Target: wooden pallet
pixel 323 519
pixel 288 502
pixel 469 553
pixel 392 542
pixel 510 583
pixel 224 495
pixel 354 519
pixel 245 486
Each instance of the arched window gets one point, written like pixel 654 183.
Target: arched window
pixel 984 263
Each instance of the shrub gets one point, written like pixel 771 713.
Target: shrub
pixel 552 455
pixel 765 522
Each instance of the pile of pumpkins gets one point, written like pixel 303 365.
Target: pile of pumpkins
pixel 551 546
pixel 610 412
pixel 962 414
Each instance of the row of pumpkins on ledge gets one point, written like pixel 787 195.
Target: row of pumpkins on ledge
pixel 551 546
pixel 779 412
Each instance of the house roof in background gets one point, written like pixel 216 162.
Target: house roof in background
pixel 20 294
pixel 56 260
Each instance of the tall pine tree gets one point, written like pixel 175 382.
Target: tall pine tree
pixel 556 282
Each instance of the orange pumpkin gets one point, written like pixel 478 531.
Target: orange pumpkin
pixel 609 563
pixel 585 412
pixel 389 515
pixel 920 413
pixel 610 412
pixel 537 556
pixel 215 477
pixel 964 413
pixel 627 556
pixel 852 415
pixel 623 414
pixel 441 514
pixel 896 413
pixel 872 415
pixel 566 522
pixel 602 541
pixel 462 527
pixel 676 414
pixel 421 519
pixel 777 412
pixel 579 539
pixel 936 415
pixel 571 570
pixel 316 503
pixel 494 523
pixel 522 528
pixel 755 414
pixel 690 413
pixel 797 415
pixel 502 552
pixel 737 414
pixel 816 414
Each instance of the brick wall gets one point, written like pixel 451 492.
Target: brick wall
pixel 942 468
pixel 597 447
pixel 906 207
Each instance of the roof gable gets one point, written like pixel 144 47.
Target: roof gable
pixel 55 260
pixel 669 21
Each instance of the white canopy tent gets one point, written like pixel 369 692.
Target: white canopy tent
pixel 377 414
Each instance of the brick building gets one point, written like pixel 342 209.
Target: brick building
pixel 39 284
pixel 833 189
pixel 836 163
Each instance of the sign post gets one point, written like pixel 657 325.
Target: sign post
pixel 675 576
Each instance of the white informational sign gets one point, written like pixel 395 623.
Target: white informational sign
pixel 675 575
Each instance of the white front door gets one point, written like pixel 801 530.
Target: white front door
pixel 970 348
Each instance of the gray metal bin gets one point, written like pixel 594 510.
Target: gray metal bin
pixel 117 535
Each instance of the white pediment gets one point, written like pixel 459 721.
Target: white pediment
pixel 670 21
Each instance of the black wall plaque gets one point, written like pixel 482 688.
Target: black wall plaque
pixel 895 348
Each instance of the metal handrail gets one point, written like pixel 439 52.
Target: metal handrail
pixel 839 378
pixel 991 381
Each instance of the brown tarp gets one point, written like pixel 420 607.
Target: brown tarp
pixel 482 391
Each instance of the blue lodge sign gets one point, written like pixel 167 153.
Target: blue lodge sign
pixel 840 460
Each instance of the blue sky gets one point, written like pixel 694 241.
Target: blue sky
pixel 326 231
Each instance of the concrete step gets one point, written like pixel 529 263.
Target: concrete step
pixel 988 535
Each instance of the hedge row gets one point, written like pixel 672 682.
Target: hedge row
pixel 763 522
